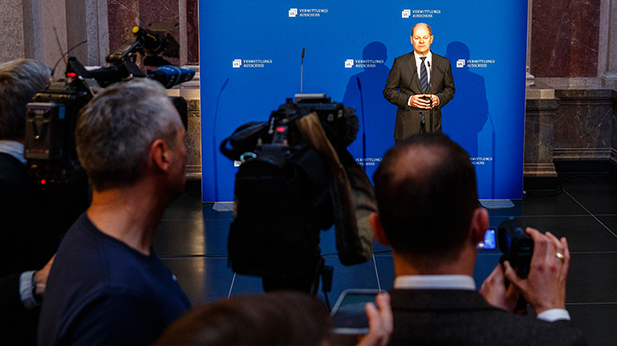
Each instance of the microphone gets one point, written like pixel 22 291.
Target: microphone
pixel 301 70
pixel 171 76
pixel 430 87
pixel 153 43
pixel 225 84
pixel 51 77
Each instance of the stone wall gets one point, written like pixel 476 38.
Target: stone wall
pixel 584 125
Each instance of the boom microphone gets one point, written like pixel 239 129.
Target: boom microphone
pixel 171 76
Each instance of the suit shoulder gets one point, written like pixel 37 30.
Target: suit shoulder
pixel 405 56
pixel 437 57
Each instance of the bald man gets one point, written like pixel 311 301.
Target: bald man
pixel 428 212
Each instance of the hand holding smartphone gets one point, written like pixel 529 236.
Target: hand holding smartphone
pixel 348 314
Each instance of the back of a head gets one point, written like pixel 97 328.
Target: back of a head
pixel 426 195
pixel 20 80
pixel 114 131
pixel 272 319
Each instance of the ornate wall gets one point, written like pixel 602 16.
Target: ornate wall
pixel 570 54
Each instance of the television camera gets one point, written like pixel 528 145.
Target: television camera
pixel 296 178
pixel 49 145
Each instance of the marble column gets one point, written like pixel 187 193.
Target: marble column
pixel 567 42
pixel 530 77
pixel 584 125
pixel 47 40
pixel 11 30
pixel 613 155
pixel 541 109
pixel 609 77
pixel 96 31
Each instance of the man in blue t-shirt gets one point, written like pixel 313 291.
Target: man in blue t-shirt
pixel 106 286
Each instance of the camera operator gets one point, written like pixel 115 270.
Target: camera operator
pixel 428 212
pixel 33 217
pixel 107 286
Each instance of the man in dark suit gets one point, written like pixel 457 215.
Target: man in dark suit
pixel 428 212
pixel 420 84
pixel 33 217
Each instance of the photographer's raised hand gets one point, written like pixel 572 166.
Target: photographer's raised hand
pixel 495 292
pixel 545 287
pixel 380 322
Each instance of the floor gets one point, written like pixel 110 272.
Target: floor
pixel 192 240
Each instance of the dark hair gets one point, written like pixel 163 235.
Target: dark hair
pixel 272 319
pixel 20 80
pixel 426 207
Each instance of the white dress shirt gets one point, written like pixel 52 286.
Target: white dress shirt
pixel 12 148
pixel 428 62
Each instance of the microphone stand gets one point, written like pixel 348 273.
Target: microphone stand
pixel 301 70
pixel 430 89
pixel 363 127
pixel 214 146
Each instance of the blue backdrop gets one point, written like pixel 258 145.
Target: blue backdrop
pixel 250 54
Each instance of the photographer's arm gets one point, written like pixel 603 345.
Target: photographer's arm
pixel 32 285
pixel 545 287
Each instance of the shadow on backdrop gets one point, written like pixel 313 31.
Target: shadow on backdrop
pixel 465 116
pixel 376 115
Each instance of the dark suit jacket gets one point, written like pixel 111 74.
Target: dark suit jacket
pixel 403 82
pixel 17 324
pixel 462 317
pixel 33 218
pixel 9 292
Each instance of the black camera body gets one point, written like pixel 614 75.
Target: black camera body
pixel 49 146
pixel 516 245
pixel 285 189
pixel 51 116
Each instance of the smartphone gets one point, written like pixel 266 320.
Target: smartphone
pixel 489 242
pixel 348 314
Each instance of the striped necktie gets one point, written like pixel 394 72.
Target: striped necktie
pixel 423 76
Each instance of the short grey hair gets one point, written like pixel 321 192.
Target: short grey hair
pixel 430 31
pixel 20 80
pixel 114 131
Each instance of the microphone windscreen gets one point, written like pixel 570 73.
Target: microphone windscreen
pixel 171 76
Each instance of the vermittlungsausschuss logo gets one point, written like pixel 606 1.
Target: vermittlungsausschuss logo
pixel 307 12
pixel 474 63
pixel 407 13
pixel 362 63
pixel 251 63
